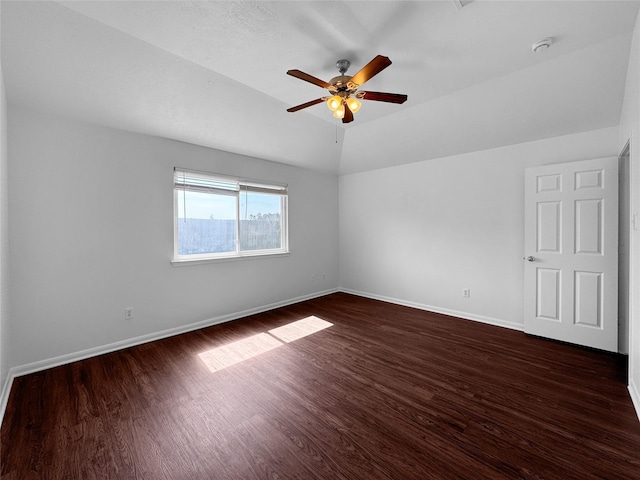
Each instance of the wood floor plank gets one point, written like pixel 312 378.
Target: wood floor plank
pixel 387 392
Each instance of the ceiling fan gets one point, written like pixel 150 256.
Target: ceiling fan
pixel 343 101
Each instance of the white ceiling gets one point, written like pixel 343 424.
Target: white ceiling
pixel 213 73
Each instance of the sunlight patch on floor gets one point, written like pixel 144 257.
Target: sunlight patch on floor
pixel 295 330
pixel 236 352
pixel 227 355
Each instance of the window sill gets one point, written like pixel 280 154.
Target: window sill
pixel 200 261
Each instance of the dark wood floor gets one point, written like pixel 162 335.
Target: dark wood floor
pixel 387 392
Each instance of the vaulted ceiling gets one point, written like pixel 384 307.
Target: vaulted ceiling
pixel 213 73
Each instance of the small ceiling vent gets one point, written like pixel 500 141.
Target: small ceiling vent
pixel 541 45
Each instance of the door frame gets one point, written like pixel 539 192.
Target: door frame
pixel 624 248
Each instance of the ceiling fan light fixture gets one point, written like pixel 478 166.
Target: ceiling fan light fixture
pixel 344 97
pixel 354 105
pixel 334 102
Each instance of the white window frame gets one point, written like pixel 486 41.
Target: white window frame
pixel 185 179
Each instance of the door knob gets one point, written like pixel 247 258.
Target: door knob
pixel 530 258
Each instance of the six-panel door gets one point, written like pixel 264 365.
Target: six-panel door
pixel 571 252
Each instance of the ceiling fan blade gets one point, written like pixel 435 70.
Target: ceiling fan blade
pixel 308 78
pixel 383 97
pixel 371 69
pixel 348 114
pixel 305 105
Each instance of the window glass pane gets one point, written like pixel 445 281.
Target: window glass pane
pixel 217 216
pixel 260 221
pixel 206 223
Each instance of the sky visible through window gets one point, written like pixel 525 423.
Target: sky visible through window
pixel 221 207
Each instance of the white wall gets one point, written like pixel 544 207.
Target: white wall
pixel 91 232
pixel 630 131
pixel 420 233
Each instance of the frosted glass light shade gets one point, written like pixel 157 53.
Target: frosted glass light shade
pixel 334 102
pixel 354 105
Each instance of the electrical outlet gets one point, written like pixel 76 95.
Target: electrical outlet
pixel 466 293
pixel 128 313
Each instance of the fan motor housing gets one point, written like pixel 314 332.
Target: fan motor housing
pixel 343 83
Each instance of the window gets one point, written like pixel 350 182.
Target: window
pixel 221 217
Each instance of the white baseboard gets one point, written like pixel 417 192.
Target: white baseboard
pixel 445 311
pixel 132 342
pixel 4 395
pixel 635 396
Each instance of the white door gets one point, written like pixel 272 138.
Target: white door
pixel 571 252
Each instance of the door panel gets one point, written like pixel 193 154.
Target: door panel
pixel 549 227
pixel 588 298
pixel 548 294
pixel 589 227
pixel 571 240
